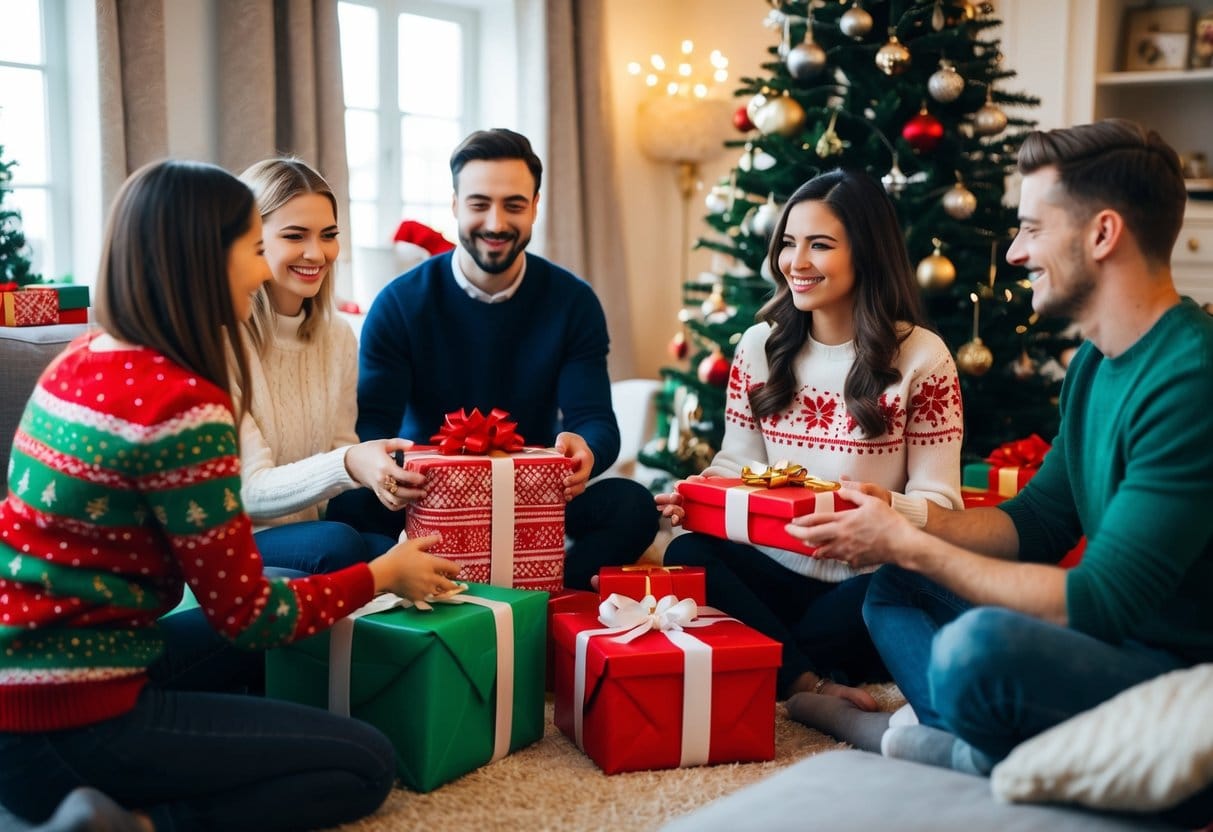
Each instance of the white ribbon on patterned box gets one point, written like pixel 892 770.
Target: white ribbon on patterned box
pixel 341 645
pixel 628 619
pixel 737 510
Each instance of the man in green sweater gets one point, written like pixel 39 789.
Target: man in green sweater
pixel 989 639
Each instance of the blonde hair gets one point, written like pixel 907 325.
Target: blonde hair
pixel 275 182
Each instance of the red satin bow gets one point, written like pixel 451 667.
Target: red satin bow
pixel 475 433
pixel 1022 453
pixel 9 287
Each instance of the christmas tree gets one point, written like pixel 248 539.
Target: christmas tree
pixel 14 261
pixel 912 92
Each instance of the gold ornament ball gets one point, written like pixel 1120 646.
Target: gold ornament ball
pixel 959 202
pixel 855 22
pixel 946 84
pixel 783 116
pixel 989 120
pixel 974 358
pixel 893 58
pixel 935 272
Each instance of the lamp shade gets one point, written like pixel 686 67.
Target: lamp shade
pixel 679 128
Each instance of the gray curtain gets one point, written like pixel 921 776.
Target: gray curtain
pixel 277 85
pixel 580 191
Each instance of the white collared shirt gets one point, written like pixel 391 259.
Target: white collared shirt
pixel 475 292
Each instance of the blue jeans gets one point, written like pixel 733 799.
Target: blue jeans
pixel 818 623
pixel 991 676
pixel 206 761
pixel 319 546
pixel 611 523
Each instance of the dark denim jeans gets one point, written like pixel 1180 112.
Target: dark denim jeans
pixel 610 524
pixel 319 546
pixel 991 676
pixel 818 623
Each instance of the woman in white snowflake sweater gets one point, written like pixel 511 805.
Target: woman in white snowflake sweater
pixel 298 446
pixel 840 377
pixel 124 487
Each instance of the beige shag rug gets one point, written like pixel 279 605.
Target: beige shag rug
pixel 552 785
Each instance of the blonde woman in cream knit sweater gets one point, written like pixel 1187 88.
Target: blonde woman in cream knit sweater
pixel 298 447
pixel 841 378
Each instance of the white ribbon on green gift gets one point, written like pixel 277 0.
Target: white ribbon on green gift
pixel 341 646
pixel 628 619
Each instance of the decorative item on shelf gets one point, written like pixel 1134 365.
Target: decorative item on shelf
pixel 989 120
pixel 781 116
pixel 946 84
pixel 893 58
pixel 1202 41
pixel 830 144
pixel 958 201
pixel 1157 37
pixel 807 60
pixel 683 122
pixel 935 271
pixel 923 132
pixel 855 22
pixel 973 357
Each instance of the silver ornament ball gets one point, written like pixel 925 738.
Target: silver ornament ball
pixel 855 22
pixel 946 84
pixel 806 61
pixel 959 202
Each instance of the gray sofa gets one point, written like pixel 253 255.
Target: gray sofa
pixel 24 353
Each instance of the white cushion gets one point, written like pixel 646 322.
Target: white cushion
pixel 1146 749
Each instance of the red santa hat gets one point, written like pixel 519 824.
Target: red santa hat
pixel 416 241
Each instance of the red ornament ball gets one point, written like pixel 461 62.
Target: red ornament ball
pixel 923 132
pixel 741 120
pixel 678 346
pixel 714 370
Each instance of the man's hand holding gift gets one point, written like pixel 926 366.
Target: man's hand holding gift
pixel 575 448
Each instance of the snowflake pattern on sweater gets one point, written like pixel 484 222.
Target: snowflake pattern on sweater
pixel 124 486
pixel 916 457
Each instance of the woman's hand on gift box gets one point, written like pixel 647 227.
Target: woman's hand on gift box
pixel 408 570
pixel 670 505
pixel 372 465
pixel 870 534
pixel 575 448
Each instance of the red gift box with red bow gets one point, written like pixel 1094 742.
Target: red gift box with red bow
pixel 1008 467
pixel 498 504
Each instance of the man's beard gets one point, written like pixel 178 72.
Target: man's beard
pixel 506 258
pixel 1070 300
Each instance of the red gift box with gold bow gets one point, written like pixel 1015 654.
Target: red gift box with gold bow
pixel 670 686
pixel 498 504
pixel 756 507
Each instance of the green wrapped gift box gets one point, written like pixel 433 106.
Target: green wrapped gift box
pixel 71 295
pixel 429 680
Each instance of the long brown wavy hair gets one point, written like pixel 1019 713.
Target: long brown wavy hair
pixel 886 297
pixel 163 281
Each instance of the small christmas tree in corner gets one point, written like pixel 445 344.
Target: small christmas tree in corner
pixel 911 91
pixel 15 264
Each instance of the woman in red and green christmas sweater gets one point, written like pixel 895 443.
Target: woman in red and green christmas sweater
pixel 124 487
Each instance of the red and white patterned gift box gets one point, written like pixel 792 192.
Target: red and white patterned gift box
pixel 29 307
pixel 501 516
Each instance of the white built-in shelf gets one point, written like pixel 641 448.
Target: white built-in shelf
pixel 1155 77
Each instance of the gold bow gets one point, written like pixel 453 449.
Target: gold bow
pixel 784 473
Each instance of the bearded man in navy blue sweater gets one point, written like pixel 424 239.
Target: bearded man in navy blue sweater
pixel 488 325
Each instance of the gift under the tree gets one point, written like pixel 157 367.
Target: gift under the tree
pixel 756 507
pixel 28 306
pixel 453 687
pixel 565 600
pixel 498 505
pixel 641 579
pixel 1008 468
pixel 661 686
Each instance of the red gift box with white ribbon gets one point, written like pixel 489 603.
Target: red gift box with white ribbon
pixel 641 579
pixel 499 509
pixel 745 511
pixel 664 684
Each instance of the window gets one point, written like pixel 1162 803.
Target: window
pixel 34 128
pixel 410 94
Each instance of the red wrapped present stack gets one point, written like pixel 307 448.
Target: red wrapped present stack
pixel 755 508
pixel 28 306
pixel 73 301
pixel 498 505
pixel 662 687
pixel 566 600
